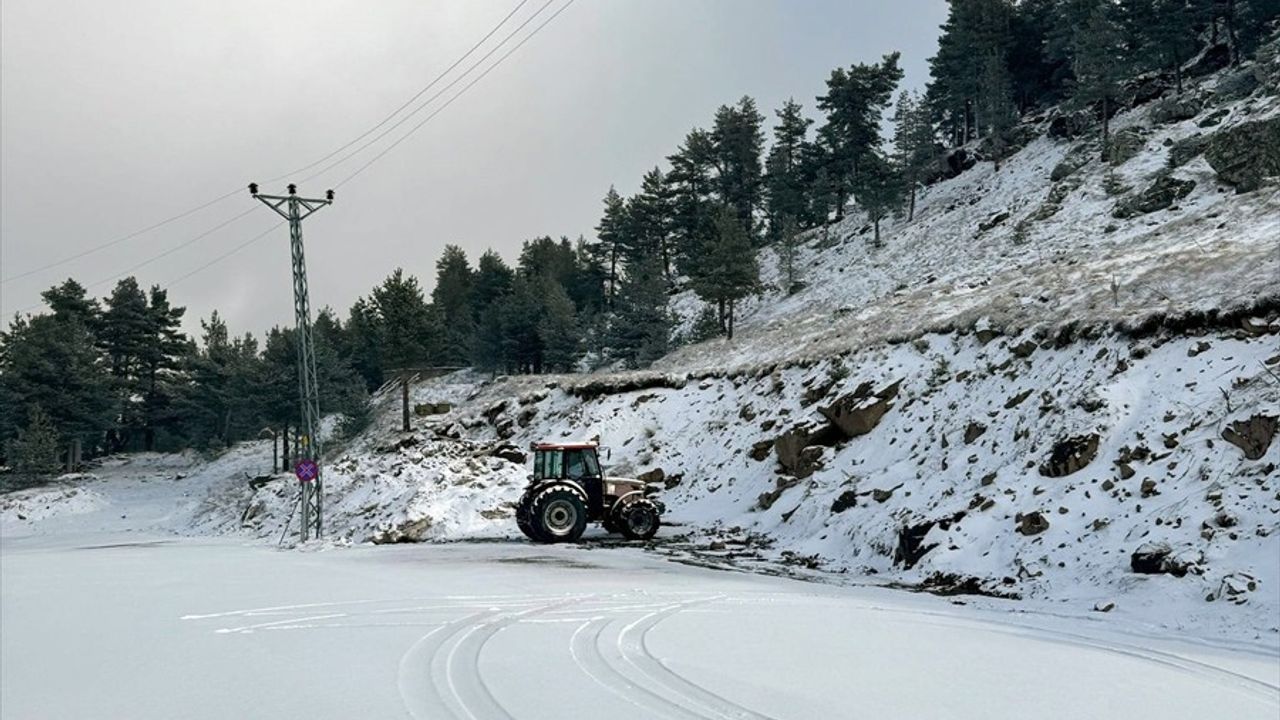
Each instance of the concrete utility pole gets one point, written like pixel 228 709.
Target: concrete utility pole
pixel 295 209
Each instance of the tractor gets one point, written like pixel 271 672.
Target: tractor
pixel 568 490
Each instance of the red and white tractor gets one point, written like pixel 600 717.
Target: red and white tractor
pixel 568 489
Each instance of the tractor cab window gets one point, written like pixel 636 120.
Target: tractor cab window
pixel 548 464
pixel 576 465
pixel 592 464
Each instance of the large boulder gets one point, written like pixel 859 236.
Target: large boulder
pixel 1070 455
pixel 1158 558
pixel 860 411
pixel 1068 125
pixel 1125 144
pixel 1253 436
pixel 1245 155
pixel 1176 109
pixel 1161 194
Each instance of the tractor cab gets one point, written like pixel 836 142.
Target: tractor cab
pixel 576 462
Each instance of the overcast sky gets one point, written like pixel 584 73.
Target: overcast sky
pixel 116 115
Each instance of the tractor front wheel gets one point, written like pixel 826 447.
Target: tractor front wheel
pixel 638 519
pixel 559 514
pixel 525 519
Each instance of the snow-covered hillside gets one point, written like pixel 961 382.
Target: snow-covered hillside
pixel 1034 243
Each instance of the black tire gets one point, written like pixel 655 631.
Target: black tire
pixel 559 514
pixel 609 525
pixel 524 517
pixel 638 519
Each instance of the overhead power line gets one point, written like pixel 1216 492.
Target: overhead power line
pixel 411 100
pixel 186 213
pixel 117 241
pixel 440 92
pixel 450 101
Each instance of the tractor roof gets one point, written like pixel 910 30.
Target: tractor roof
pixel 566 446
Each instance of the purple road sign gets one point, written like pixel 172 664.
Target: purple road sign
pixel 306 470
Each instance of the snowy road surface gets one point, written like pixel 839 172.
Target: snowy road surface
pixel 125 625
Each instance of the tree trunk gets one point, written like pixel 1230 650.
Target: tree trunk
pixel 404 401
pixel 876 222
pixel 731 319
pixel 1106 129
pixel 284 447
pixel 720 315
pixel 911 206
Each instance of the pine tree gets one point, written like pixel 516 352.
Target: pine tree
pixel 452 298
pixel 879 190
pixel 728 271
pixel 641 328
pixel 364 343
pixel 611 233
pixel 738 142
pixel 689 188
pixel 854 104
pixel 520 344
pixel 410 328
pixel 996 107
pixel 784 182
pixel 914 145
pixel 788 255
pixel 649 219
pixel 124 335
pixel 33 454
pixel 974 30
pixel 51 361
pixel 160 361
pixel 1099 66
pixel 558 329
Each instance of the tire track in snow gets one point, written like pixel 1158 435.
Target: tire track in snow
pixel 632 642
pixel 585 646
pixel 618 663
pixel 439 676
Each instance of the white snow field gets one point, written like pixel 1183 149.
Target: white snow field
pixel 141 626
pixel 107 613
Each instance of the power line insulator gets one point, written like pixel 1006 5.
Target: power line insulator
pixel 328 195
pixel 293 189
pixel 253 189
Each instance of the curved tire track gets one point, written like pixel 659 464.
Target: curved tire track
pixel 440 675
pixel 621 662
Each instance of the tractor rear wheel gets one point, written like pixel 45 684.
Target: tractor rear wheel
pixel 638 519
pixel 559 514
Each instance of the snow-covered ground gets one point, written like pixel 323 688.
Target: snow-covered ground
pixel 117 625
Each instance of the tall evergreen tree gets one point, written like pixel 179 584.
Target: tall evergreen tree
pixel 854 104
pixel 410 328
pixel 785 202
pixel 649 219
pixel 51 361
pixel 996 108
pixel 738 142
pixel 914 146
pixel 728 271
pixel 1099 65
pixel 641 329
pixel 558 329
pixel 612 235
pixel 452 298
pixel 879 190
pixel 690 187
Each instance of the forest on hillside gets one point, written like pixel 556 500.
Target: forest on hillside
pixel 118 374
